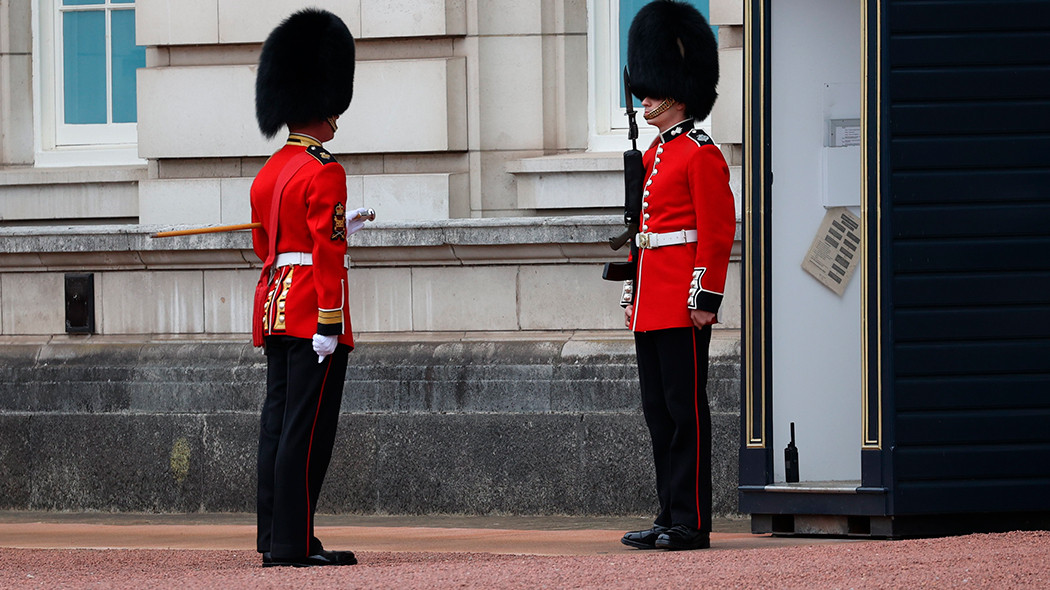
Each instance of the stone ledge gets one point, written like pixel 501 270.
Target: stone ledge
pixel 574 162
pixel 455 241
pixel 28 175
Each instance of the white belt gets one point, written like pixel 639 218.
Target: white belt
pixel 650 240
pixel 301 259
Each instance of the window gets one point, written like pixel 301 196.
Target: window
pixel 86 63
pixel 609 22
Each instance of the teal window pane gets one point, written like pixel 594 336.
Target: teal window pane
pixel 629 8
pixel 84 66
pixel 122 1
pixel 127 58
pixel 81 2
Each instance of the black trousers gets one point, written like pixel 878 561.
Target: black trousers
pixel 672 368
pixel 296 434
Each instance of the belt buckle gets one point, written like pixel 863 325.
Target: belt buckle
pixel 643 240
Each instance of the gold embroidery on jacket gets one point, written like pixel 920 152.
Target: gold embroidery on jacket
pixel 273 310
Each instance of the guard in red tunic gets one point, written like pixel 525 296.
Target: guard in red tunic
pixel 301 314
pixel 687 228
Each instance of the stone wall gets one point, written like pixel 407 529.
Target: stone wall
pixel 492 374
pixel 429 424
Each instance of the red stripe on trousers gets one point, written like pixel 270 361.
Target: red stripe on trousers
pixel 696 411
pixel 309 451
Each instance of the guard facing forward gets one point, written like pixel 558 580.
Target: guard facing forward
pixel 301 313
pixel 686 232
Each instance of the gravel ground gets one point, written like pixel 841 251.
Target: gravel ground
pixel 999 561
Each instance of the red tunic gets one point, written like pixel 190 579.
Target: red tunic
pixel 687 188
pixel 305 299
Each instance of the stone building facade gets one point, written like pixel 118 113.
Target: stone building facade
pixel 481 132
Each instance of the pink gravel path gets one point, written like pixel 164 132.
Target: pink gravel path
pixel 999 561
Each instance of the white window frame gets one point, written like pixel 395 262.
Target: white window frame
pixel 607 119
pixel 58 143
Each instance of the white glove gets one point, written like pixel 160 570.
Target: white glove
pixel 356 221
pixel 324 345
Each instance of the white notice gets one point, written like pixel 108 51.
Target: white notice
pixel 835 251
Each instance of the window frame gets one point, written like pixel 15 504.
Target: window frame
pixel 58 143
pixel 607 127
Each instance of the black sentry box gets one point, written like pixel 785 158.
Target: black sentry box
pixel 80 303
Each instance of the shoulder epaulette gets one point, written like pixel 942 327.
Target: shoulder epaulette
pixel 320 154
pixel 700 137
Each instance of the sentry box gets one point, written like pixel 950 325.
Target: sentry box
pixel 896 267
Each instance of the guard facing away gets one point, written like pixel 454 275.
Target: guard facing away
pixel 688 222
pixel 301 314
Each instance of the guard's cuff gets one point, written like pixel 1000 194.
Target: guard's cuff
pixel 329 322
pixel 699 298
pixel 627 296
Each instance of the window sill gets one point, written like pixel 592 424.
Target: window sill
pixel 28 175
pixel 70 157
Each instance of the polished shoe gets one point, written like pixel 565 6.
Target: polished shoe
pixel 643 539
pixel 681 537
pixel 317 559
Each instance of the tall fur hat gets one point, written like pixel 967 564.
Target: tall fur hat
pixel 672 53
pixel 306 71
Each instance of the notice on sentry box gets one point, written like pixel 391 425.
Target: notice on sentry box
pixel 835 251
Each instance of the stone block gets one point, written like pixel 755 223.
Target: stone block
pixel 73 201
pixel 180 202
pixel 379 114
pixel 569 181
pixel 15 462
pixel 151 302
pixel 228 461
pixel 566 17
pixel 727 116
pixel 511 80
pixel 497 17
pixel 42 380
pixel 16 34
pixel 725 463
pixel 200 168
pixel 568 296
pixel 251 22
pixel 355 193
pixel 405 197
pixel 458 298
pixel 33 303
pixel 478 464
pixel 493 190
pixel 729 314
pixel 186 103
pixel 228 300
pixel 564 107
pixel 16 108
pixel 235 200
pixel 618 465
pixel 115 462
pixel 353 483
pixel 726 12
pixel 412 18
pixel 176 22
pixel 380 299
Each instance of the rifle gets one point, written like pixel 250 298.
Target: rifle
pixel 633 176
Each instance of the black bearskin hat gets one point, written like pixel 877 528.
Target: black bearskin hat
pixel 672 53
pixel 306 71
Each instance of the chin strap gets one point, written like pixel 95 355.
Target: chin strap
pixel 660 108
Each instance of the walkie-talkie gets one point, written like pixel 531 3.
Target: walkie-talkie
pixel 791 458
